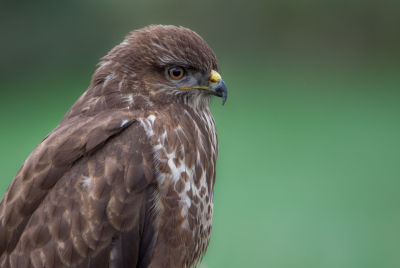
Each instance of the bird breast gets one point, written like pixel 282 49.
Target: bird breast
pixel 185 152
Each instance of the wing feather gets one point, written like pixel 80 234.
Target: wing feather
pixel 84 185
pixel 103 197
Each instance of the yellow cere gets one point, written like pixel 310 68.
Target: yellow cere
pixel 214 78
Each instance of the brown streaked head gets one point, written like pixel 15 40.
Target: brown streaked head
pixel 167 63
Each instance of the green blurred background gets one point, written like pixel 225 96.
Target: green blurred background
pixel 309 164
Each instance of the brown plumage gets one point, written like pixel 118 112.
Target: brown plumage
pixel 126 179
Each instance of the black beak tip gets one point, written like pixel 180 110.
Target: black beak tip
pixel 222 91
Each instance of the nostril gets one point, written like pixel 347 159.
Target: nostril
pixel 214 77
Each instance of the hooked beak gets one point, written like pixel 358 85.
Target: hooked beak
pixel 220 90
pixel 216 86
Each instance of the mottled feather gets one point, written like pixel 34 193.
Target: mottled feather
pixel 126 179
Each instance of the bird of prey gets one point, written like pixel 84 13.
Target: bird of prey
pixel 127 177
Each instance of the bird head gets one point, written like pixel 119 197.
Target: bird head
pixel 166 63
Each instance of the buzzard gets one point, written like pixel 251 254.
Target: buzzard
pixel 126 179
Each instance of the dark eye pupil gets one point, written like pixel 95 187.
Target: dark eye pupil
pixel 176 72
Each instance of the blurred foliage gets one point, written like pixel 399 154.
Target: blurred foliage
pixel 309 163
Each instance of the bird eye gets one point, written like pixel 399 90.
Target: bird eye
pixel 176 73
